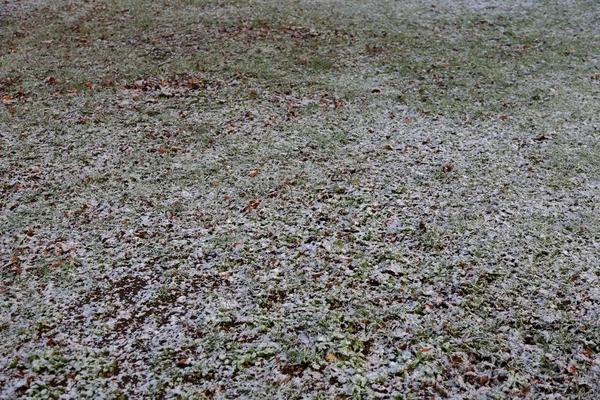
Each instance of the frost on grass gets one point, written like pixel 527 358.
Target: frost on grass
pixel 304 200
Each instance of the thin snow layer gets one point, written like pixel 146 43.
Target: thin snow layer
pixel 307 200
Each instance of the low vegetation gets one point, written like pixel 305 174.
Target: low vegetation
pixel 299 199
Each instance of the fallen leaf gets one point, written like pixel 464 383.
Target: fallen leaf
pixel 394 269
pixel 253 173
pixel 482 380
pixel 182 362
pixel 330 357
pixel 457 359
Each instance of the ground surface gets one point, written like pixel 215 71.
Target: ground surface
pixel 299 199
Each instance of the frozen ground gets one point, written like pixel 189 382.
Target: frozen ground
pixel 299 199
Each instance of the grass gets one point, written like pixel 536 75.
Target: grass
pixel 235 199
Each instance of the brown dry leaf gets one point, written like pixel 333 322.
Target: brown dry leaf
pixel 252 173
pixel 163 150
pixel 457 359
pixel 182 362
pixel 482 380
